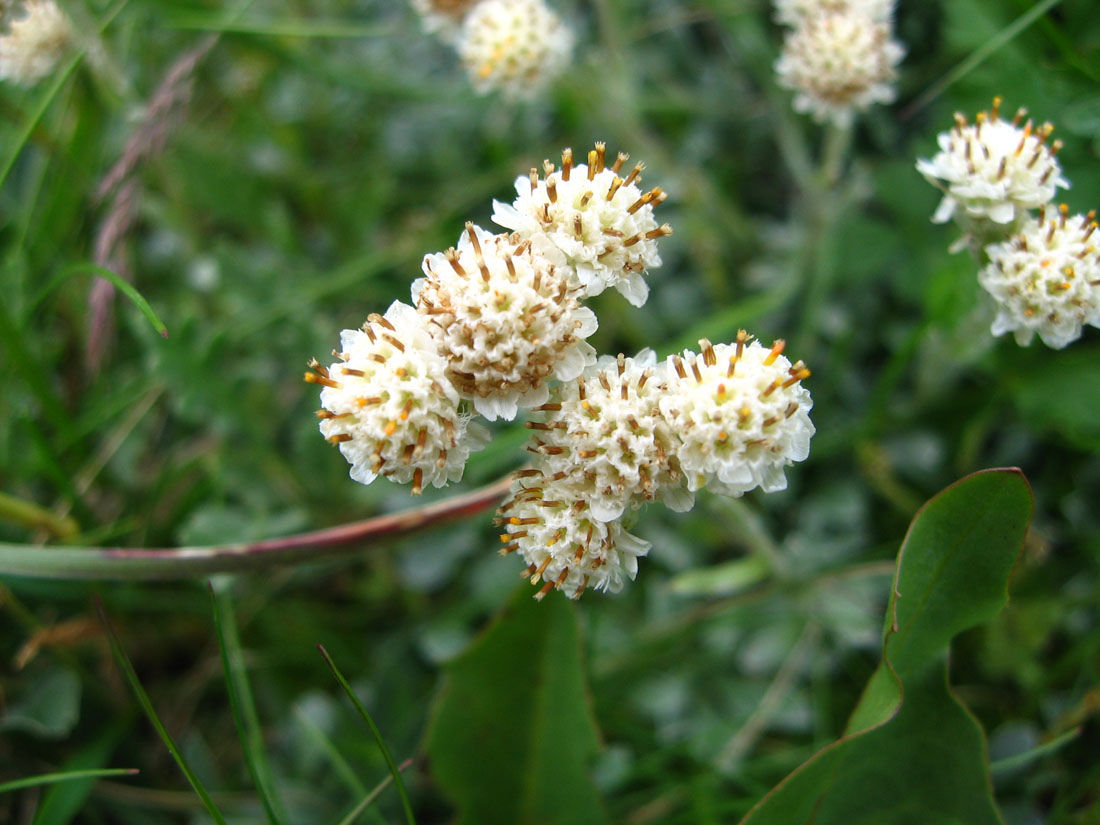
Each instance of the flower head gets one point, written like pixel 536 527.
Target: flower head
pixel 443 17
pixel 740 413
pixel 34 42
pixel 602 223
pixel 389 406
pixel 563 544
pixel 793 12
pixel 604 438
pixel 838 63
pixel 1046 279
pixel 506 319
pixel 994 168
pixel 513 46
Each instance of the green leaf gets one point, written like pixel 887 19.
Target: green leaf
pixel 513 734
pixel 912 752
pixel 50 707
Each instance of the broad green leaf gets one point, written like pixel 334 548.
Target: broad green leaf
pixel 50 707
pixel 512 735
pixel 912 752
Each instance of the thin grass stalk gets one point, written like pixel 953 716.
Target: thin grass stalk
pixel 151 714
pixel 395 772
pixel 243 705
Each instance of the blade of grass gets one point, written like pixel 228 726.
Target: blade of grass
pixel 1020 760
pixel 368 800
pixel 243 705
pixel 336 759
pixel 64 776
pixel 123 286
pixel 151 714
pixel 979 56
pixel 280 28
pixel 394 771
pixel 30 515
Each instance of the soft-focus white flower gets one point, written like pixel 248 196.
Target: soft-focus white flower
pixel 563 544
pixel 34 42
pixel 443 17
pixel 515 47
pixel 603 437
pixel 506 319
pixel 601 222
pixel 741 415
pixel 994 168
pixel 838 63
pixel 389 406
pixel 793 12
pixel 1046 279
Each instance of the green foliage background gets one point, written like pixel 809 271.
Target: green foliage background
pixel 326 148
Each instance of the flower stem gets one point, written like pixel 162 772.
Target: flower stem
pixel 164 564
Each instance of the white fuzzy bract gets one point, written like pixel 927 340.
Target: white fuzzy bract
pixel 443 17
pixel 794 12
pixel 740 413
pixel 506 319
pixel 563 544
pixel 1046 279
pixel 838 63
pixel 34 41
pixel 389 406
pixel 604 438
pixel 993 168
pixel 602 223
pixel 515 47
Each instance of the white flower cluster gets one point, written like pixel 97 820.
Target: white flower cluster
pixel 495 321
pixel 34 38
pixel 1046 279
pixel 515 47
pixel 839 56
pixel 730 418
pixel 994 169
pixel 1042 272
pixel 498 326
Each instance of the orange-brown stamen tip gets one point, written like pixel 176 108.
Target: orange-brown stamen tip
pixel 391 427
pixel 314 378
pixel 777 348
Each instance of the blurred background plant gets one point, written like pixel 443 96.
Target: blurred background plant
pixel 288 179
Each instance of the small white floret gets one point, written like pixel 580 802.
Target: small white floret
pixel 34 41
pixel 563 544
pixel 838 63
pixel 994 169
pixel 515 47
pixel 1046 279
pixel 600 221
pixel 741 415
pixel 507 320
pixel 603 436
pixel 388 405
